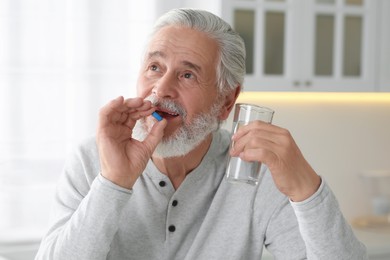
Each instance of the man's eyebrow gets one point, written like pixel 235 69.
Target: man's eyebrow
pixel 160 54
pixel 156 54
pixel 192 65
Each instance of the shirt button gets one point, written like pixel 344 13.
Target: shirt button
pixel 162 183
pixel 171 228
pixel 174 203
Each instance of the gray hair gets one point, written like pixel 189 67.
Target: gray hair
pixel 231 68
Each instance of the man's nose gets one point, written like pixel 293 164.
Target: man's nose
pixel 166 86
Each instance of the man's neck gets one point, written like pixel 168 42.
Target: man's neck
pixel 177 168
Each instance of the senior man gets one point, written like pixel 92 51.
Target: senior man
pixel 148 189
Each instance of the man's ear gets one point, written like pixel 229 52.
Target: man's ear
pixel 230 100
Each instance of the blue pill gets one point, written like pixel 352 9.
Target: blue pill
pixel 157 116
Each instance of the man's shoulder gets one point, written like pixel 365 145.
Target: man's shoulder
pixel 85 152
pixel 86 147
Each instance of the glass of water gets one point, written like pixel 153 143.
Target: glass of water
pixel 237 169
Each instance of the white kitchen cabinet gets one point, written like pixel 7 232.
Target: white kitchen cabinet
pixel 312 45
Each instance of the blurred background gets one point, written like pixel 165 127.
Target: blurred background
pixel 326 62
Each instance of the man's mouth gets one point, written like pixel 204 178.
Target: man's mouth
pixel 166 113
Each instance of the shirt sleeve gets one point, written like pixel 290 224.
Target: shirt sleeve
pixel 324 230
pixel 85 214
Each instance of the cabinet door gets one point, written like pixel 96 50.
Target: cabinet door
pixel 307 45
pixel 266 27
pixel 341 38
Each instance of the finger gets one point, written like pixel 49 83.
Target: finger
pixel 106 111
pixel 256 125
pixel 259 155
pixel 136 115
pixel 112 111
pixel 279 136
pixel 137 110
pixel 137 103
pixel 111 105
pixel 254 139
pixel 125 105
pixel 120 110
pixel 156 134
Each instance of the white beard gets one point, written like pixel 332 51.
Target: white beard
pixel 187 137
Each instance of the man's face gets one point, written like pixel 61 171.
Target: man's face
pixel 179 70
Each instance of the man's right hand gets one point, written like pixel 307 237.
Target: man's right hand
pixel 122 158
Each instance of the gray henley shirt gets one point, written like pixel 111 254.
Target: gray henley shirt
pixel 205 218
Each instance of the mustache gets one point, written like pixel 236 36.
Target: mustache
pixel 167 104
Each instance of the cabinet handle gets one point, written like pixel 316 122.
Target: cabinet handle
pixel 296 83
pixel 308 83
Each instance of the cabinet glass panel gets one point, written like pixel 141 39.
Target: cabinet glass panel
pixel 244 24
pixel 354 2
pixel 325 1
pixel 274 43
pixel 324 45
pixel 352 46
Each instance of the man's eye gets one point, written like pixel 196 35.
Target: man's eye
pixel 153 68
pixel 188 75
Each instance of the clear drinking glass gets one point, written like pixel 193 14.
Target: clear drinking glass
pixel 237 169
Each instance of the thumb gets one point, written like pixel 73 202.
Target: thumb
pixel 155 135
